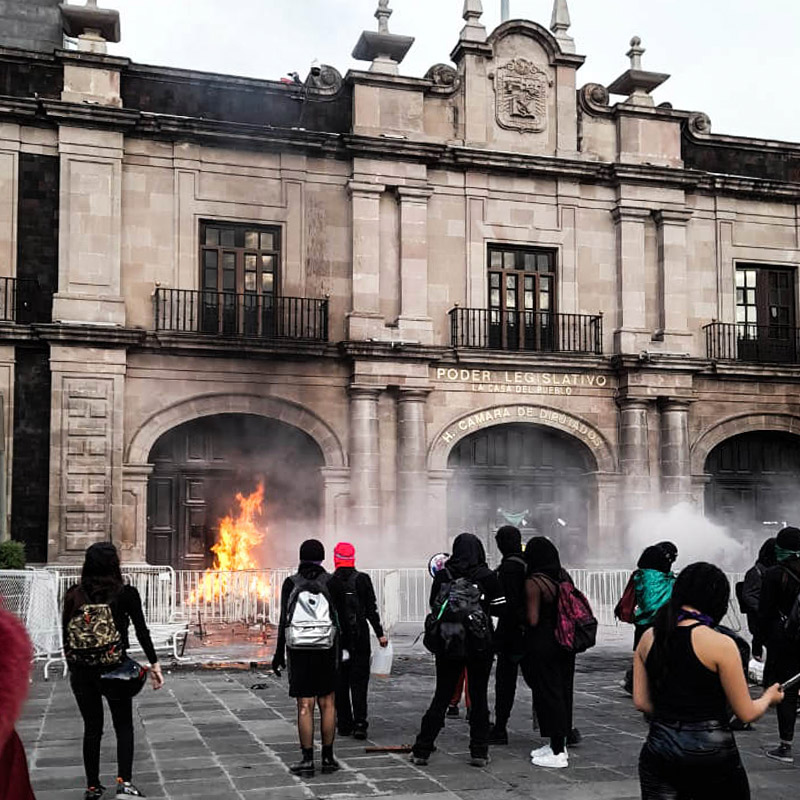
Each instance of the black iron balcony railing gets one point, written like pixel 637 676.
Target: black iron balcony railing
pixel 759 344
pixel 532 331
pixel 253 316
pixel 23 301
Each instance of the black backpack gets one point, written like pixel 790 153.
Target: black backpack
pixel 790 623
pixel 354 613
pixel 457 626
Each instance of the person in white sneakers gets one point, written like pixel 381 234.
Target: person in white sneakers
pixel 548 669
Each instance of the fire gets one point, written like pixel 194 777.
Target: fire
pixel 233 552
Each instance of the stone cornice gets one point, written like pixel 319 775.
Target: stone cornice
pixel 87 335
pixel 190 344
pixel 94 60
pixel 385 81
pixel 469 358
pixel 90 115
pixel 735 370
pixel 396 351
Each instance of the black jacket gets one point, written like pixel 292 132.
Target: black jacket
pixel 336 591
pixel 367 603
pixel 779 589
pixel 511 624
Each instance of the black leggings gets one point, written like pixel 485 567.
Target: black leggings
pixel 691 761
pixel 85 685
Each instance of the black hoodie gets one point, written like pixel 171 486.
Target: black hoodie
pixel 510 634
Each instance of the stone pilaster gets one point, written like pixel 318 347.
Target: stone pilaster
pixel 676 470
pixel 132 534
pixel 336 493
pixel 412 473
pixel 634 454
pixel 438 482
pixel 365 320
pixel 365 478
pixel 414 322
pixel 86 486
pixel 90 230
pixel 631 331
pixel 673 283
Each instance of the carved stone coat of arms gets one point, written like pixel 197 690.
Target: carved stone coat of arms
pixel 521 90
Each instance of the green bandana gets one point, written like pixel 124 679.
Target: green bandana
pixel 785 555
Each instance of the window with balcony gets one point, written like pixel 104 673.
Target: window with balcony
pixel 522 312
pixel 239 291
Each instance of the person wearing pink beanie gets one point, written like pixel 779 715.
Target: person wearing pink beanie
pixel 362 610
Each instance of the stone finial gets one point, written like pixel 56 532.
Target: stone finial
pixel 636 52
pixel 385 50
pixel 473 30
pixel 637 83
pixel 560 24
pixel 93 27
pixel 382 14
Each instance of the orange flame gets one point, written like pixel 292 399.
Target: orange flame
pixel 233 552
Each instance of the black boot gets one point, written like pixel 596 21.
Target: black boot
pixel 305 767
pixel 329 763
pixel 498 735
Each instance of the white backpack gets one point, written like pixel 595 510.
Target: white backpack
pixel 309 615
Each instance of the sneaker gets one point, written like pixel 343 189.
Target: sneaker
pixel 498 736
pixel 419 761
pixel 452 711
pixel 783 752
pixel 94 792
pixel 574 737
pixel 545 750
pixel 127 789
pixel 479 761
pixel 552 761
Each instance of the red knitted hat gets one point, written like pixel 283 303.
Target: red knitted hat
pixel 344 555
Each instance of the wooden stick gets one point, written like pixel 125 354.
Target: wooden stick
pixel 392 748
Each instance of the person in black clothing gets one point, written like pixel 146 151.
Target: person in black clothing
pixel 313 673
pixel 510 633
pixel 361 610
pixel 548 669
pixel 467 561
pixel 102 583
pixel 779 590
pixel 686 674
pixel 751 593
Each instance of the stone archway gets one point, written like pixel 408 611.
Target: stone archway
pixel 137 469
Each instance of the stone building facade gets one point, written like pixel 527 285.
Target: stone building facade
pixel 409 306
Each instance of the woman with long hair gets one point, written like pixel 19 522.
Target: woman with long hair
pixel 102 585
pixel 685 675
pixel 548 669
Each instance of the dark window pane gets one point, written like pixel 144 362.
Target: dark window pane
pixel 229 261
pixel 228 237
pixel 530 262
pixel 210 279
pixel 210 259
pixel 228 281
pixel 543 260
pixel 495 259
pixel 212 236
pixel 251 240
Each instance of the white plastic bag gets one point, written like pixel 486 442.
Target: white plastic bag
pixel 756 671
pixel 381 661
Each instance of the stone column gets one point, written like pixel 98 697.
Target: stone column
pixel 634 456
pixel 631 292
pixel 412 472
pixel 365 479
pixel 414 323
pixel 132 535
pixel 676 470
pixel 673 277
pixel 365 320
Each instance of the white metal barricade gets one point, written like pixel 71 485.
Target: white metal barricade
pixel 32 596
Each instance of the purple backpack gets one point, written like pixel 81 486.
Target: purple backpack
pixel 576 625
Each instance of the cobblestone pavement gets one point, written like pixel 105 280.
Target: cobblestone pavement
pixel 211 734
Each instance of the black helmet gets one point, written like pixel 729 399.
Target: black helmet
pixel 124 681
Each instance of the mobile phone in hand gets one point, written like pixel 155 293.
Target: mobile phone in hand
pixel 791 683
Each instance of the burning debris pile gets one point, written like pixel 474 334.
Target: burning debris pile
pixel 233 576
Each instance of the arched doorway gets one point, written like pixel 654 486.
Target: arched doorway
pixel 754 484
pixel 199 466
pixel 534 477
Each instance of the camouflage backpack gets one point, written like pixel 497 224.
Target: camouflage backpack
pixel 92 637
